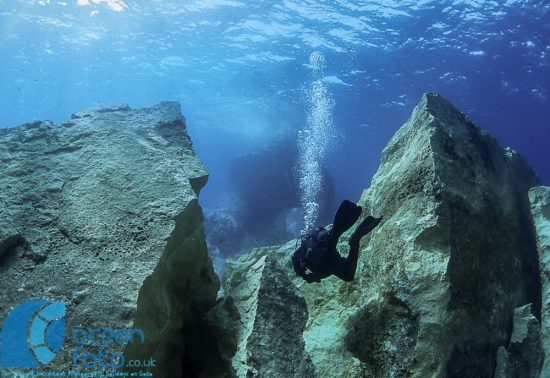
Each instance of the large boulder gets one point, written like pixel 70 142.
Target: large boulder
pixel 438 280
pixel 456 251
pixel 101 212
pixel 540 207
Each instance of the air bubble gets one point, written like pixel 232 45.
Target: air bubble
pixel 313 143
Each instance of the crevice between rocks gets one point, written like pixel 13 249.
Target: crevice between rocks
pixel 173 302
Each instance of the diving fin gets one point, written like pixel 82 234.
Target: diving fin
pixel 367 225
pixel 345 217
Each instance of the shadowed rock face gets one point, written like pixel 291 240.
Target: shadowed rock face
pixel 97 209
pixel 173 303
pixel 540 207
pixel 523 357
pixel 438 280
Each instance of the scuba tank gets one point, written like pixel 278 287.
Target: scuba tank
pixel 313 246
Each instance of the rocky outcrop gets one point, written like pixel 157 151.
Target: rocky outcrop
pixel 456 249
pixel 273 315
pixel 101 212
pixel 98 209
pixel 523 357
pixel 439 279
pixel 540 207
pixel 173 303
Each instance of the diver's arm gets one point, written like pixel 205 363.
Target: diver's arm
pixel 297 263
pixel 301 270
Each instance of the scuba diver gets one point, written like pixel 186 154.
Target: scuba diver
pixel 317 257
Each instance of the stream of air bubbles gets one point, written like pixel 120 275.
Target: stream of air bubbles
pixel 314 141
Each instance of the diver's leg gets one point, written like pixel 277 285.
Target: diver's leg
pixel 345 217
pixel 351 260
pixel 346 267
pixel 342 268
pixel 367 225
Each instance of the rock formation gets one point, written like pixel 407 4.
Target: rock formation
pixel 523 357
pixel 98 209
pixel 456 251
pixel 540 207
pixel 273 315
pixel 439 280
pixel 101 212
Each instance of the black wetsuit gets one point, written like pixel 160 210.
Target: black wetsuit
pixel 317 256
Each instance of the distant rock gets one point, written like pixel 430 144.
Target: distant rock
pixel 267 188
pixel 439 280
pixel 540 207
pixel 98 209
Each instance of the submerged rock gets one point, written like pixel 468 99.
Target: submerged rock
pixel 456 248
pixel 438 281
pixel 523 357
pixel 540 207
pixel 273 315
pixel 101 212
pixel 102 207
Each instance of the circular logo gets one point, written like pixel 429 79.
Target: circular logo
pixel 32 334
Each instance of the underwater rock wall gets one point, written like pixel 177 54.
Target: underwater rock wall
pixel 173 302
pixel 440 279
pixel 523 355
pixel 99 208
pixel 540 207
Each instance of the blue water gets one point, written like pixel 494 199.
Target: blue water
pixel 241 70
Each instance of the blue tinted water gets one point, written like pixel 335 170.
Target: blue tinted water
pixel 240 69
